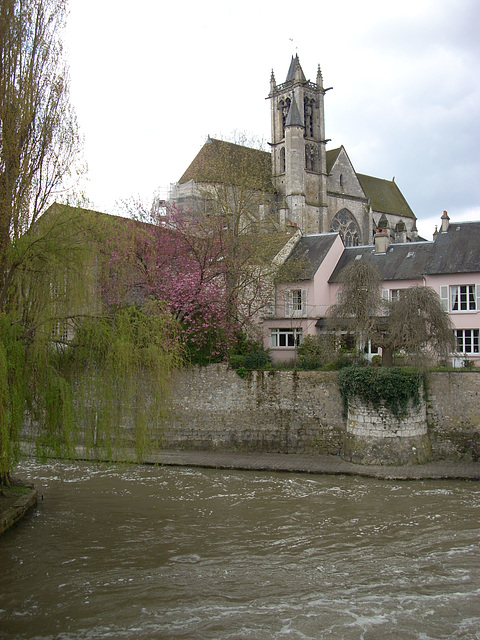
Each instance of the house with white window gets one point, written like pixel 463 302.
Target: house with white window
pixel 450 264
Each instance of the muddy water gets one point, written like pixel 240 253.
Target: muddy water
pixel 144 552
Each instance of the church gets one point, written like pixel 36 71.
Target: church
pixel 299 183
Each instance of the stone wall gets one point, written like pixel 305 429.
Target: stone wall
pixel 270 411
pixel 375 436
pixel 301 412
pixel 453 414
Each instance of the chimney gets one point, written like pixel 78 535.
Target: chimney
pixel 382 236
pixel 381 241
pixel 445 222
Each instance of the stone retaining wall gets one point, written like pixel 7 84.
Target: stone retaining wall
pixel 270 411
pixel 301 411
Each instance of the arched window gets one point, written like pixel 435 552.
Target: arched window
pixel 284 106
pixel 346 225
pixel 282 160
pixel 308 105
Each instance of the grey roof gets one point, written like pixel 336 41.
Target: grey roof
pixel 403 261
pixel 295 62
pixel 294 117
pixel 457 250
pixel 310 252
pixel 454 251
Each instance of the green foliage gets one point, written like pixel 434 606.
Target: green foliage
pixel 82 393
pixel 13 392
pixel 316 351
pixel 248 354
pixel 393 387
pixel 120 366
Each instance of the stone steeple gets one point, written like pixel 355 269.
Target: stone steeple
pixel 298 148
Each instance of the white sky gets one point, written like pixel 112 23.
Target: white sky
pixel 151 79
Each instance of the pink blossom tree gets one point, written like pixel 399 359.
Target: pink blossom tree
pixel 210 279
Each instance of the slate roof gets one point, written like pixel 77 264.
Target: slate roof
pixel 457 250
pixel 310 252
pixel 403 261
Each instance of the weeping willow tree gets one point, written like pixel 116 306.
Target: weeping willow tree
pixel 111 388
pixel 70 373
pixel 415 325
pixel 39 155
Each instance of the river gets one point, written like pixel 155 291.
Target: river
pixel 144 552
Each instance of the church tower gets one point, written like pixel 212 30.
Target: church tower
pixel 299 162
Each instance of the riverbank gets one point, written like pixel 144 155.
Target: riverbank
pixel 300 463
pixel 316 464
pixel 17 500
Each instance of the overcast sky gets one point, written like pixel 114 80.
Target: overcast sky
pixel 151 79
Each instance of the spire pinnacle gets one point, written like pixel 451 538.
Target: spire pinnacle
pixel 319 78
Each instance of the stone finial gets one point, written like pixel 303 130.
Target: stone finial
pixel 273 84
pixel 319 78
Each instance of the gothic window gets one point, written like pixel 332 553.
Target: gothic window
pixel 284 106
pixel 347 227
pixel 282 160
pixel 308 116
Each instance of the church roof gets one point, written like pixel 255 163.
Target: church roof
pixel 332 155
pixel 295 71
pixel 385 196
pixel 219 161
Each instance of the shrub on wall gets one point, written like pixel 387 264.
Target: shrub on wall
pixel 392 387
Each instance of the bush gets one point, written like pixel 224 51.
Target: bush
pixel 248 354
pixel 315 351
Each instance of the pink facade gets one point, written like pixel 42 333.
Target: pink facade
pixel 450 265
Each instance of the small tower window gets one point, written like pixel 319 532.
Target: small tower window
pixel 284 106
pixel 308 116
pixel 282 160
pixel 341 179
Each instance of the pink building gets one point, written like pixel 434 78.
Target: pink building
pixel 450 265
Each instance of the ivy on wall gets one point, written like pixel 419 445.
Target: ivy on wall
pixel 391 387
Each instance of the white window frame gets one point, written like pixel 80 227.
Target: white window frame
pixel 295 303
pixel 464 297
pixel 291 337
pixel 468 340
